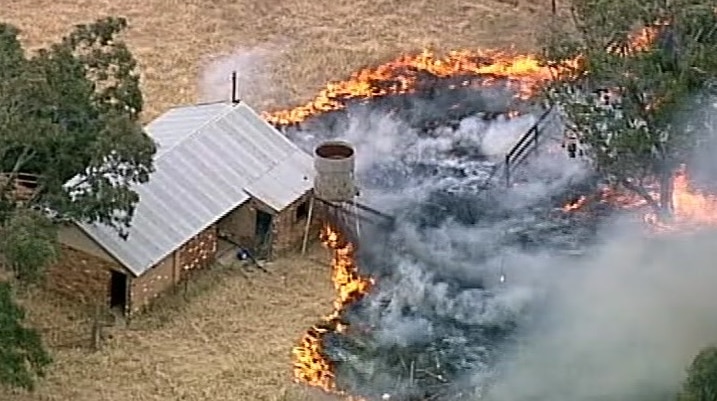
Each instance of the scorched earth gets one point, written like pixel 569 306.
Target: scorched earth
pixel 426 309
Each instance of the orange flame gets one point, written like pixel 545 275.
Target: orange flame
pixel 310 365
pixel 691 208
pixel 575 205
pixel 402 74
pixel 524 73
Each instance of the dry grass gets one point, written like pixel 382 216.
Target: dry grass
pixel 232 341
pixel 319 39
pixel 228 340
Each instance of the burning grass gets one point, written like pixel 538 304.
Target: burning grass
pixel 310 365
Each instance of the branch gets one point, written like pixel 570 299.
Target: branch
pixel 26 155
pixel 638 189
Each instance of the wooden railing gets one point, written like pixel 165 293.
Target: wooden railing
pixel 526 144
pixel 23 186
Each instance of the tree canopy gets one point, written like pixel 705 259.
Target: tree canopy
pixel 656 61
pixel 701 381
pixel 70 122
pixel 22 355
pixel 71 148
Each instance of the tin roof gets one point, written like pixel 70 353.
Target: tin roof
pixel 211 159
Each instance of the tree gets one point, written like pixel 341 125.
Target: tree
pixel 69 120
pixel 71 148
pixel 22 355
pixel 655 60
pixel 701 381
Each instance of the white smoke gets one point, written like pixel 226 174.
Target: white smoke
pixel 625 324
pixel 622 323
pixel 626 321
pixel 254 78
pixel 428 262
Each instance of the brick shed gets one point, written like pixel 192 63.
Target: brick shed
pixel 223 178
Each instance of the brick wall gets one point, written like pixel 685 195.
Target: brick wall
pixel 80 276
pixel 289 226
pixel 153 283
pixel 199 252
pixel 239 225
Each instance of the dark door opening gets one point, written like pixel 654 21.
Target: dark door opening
pixel 262 233
pixel 118 290
pixel 302 211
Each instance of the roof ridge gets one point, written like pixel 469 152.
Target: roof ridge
pixel 198 129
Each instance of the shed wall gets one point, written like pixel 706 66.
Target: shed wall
pixel 81 276
pixel 154 282
pixel 199 252
pixel 289 226
pixel 74 237
pixel 287 229
pixel 239 225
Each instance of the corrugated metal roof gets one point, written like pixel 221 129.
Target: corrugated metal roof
pixel 177 124
pixel 204 170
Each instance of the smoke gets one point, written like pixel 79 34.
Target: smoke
pixel 440 303
pixel 702 117
pixel 478 287
pixel 623 324
pixel 254 78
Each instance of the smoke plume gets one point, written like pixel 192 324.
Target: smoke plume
pixel 625 321
pixel 623 324
pixel 440 273
pixel 254 79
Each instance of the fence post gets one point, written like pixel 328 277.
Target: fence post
pixel 507 170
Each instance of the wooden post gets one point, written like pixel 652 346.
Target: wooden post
pixel 309 216
pixel 356 217
pixel 507 171
pixel 554 7
pixel 96 339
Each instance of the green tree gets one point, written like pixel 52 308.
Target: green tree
pixel 22 355
pixel 70 121
pixel 701 381
pixel 71 148
pixel 657 60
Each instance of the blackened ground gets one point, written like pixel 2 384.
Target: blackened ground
pixel 445 305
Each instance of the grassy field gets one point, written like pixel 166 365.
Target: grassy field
pixel 226 338
pixel 232 340
pixel 310 41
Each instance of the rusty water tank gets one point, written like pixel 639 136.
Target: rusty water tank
pixel 334 162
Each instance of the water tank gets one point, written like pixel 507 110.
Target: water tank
pixel 334 163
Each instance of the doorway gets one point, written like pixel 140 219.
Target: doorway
pixel 262 233
pixel 118 290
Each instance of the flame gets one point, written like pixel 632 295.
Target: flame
pixel 692 208
pixel 310 365
pixel 402 75
pixel 575 205
pixel 641 40
pixel 524 73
